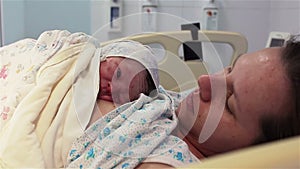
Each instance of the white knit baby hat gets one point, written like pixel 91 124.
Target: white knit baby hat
pixel 136 51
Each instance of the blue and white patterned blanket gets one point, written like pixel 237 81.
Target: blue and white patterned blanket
pixel 130 134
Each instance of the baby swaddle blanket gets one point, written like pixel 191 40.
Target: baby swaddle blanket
pixel 40 120
pixel 130 134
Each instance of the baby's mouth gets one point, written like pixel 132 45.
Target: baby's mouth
pixel 104 91
pixel 105 94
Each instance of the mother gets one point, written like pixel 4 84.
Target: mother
pixel 261 105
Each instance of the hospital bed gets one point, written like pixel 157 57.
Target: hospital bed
pixel 177 74
pixel 278 154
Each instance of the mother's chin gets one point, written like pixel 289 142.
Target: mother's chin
pixel 190 105
pixel 188 110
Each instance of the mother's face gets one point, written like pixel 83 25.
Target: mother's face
pixel 235 100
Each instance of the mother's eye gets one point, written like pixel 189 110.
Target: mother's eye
pixel 119 73
pixel 228 106
pixel 228 69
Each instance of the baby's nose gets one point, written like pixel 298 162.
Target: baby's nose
pixel 109 86
pixel 105 85
pixel 205 87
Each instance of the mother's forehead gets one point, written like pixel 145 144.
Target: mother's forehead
pixel 264 56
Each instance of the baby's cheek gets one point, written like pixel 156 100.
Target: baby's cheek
pixel 134 92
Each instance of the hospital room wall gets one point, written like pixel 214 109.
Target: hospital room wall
pixel 285 16
pixel 252 18
pixel 29 18
pixel 12 13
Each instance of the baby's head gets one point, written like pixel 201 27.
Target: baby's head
pixel 127 69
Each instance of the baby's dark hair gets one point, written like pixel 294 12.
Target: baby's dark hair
pixel 151 89
pixel 275 128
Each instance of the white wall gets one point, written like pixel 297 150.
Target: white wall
pixel 252 18
pixel 285 16
pixel 12 21
pixel 29 18
pixel 41 15
pixel 255 19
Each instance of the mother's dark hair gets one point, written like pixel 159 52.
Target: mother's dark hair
pixel 275 128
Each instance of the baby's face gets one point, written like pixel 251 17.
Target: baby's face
pixel 121 80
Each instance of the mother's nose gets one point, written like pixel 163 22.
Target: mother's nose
pixel 205 87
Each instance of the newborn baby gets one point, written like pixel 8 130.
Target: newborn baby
pixel 127 69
